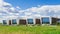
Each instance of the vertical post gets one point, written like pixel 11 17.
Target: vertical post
pixel 50 20
pixel 34 21
pixel 17 21
pixel 7 22
pixel 11 22
pixel 41 20
pixel 26 20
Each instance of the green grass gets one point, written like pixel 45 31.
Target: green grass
pixel 4 29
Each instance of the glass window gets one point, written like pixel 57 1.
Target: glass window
pixel 58 21
pixel 30 21
pixel 4 22
pixel 45 20
pixel 14 21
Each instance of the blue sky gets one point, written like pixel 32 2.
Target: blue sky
pixel 24 4
pixel 29 8
pixel 12 9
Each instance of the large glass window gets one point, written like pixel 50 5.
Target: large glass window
pixel 14 21
pixel 4 22
pixel 45 20
pixel 30 21
pixel 58 20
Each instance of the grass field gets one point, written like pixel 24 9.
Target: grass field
pixel 4 29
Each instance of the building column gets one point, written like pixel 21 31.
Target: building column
pixel 50 20
pixel 7 22
pixel 34 21
pixel 17 21
pixel 41 20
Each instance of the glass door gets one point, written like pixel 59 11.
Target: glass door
pixel 4 22
pixel 45 20
pixel 14 21
pixel 30 21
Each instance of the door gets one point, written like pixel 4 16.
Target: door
pixel 9 22
pixel 30 21
pixel 45 20
pixel 22 22
pixel 14 21
pixel 37 21
pixel 54 21
pixel 4 22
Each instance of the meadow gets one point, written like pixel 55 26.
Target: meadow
pixel 22 29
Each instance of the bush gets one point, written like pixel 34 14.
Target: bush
pixel 58 23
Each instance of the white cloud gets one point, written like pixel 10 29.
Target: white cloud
pixel 27 13
pixel 6 4
pixel 1 3
pixel 18 7
pixel 8 11
pixel 47 10
pixel 12 8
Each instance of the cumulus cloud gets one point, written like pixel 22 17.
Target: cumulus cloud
pixel 1 3
pixel 46 10
pixel 8 11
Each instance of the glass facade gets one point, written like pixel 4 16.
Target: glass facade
pixel 45 20
pixel 30 21
pixel 4 22
pixel 14 21
pixel 58 20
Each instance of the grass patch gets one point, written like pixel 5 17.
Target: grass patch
pixel 4 29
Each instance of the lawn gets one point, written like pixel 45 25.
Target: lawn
pixel 4 29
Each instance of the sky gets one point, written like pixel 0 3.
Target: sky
pixel 29 8
pixel 32 3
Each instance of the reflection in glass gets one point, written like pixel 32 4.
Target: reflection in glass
pixel 30 21
pixel 14 21
pixel 4 22
pixel 45 20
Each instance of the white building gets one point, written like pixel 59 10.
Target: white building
pixel 31 20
